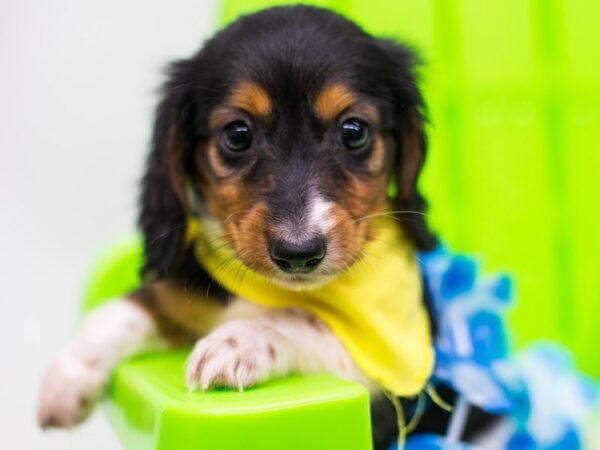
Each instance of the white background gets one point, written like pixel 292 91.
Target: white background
pixel 78 85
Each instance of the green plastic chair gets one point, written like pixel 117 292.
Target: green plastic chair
pixel 513 89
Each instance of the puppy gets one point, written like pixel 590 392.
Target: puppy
pixel 282 136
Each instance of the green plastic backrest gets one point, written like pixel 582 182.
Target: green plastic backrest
pixel 513 89
pixel 115 274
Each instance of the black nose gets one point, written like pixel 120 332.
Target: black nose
pixel 297 256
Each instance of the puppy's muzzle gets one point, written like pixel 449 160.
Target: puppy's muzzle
pixel 297 257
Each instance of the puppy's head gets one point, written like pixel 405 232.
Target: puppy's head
pixel 283 134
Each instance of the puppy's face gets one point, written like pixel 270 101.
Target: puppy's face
pixel 291 182
pixel 292 122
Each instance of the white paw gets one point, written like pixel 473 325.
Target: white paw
pixel 238 354
pixel 69 390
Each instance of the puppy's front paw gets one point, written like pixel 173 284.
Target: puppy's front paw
pixel 69 390
pixel 238 354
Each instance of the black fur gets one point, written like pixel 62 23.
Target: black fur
pixel 163 214
pixel 164 208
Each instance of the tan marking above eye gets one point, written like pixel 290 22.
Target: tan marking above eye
pixel 332 101
pixel 337 98
pixel 252 98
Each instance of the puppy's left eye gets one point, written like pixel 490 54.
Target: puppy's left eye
pixel 354 134
pixel 237 136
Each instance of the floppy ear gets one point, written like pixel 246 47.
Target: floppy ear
pixel 164 209
pixel 408 110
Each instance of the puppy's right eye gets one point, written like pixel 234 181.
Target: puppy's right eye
pixel 354 134
pixel 237 136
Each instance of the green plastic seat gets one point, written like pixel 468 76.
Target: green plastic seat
pixel 150 407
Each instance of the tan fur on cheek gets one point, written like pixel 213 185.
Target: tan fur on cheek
pixel 345 240
pixel 250 240
pixel 223 198
pixel 232 202
pixel 351 227
pixel 364 197
pixel 377 158
pixel 215 161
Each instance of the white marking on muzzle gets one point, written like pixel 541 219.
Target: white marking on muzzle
pixel 319 216
pixel 315 220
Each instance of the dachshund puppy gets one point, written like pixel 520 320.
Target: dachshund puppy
pixel 282 136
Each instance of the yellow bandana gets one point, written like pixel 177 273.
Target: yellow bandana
pixel 375 309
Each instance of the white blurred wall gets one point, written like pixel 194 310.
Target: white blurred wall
pixel 77 89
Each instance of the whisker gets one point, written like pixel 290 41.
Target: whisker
pixel 389 214
pixel 258 213
pixel 232 215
